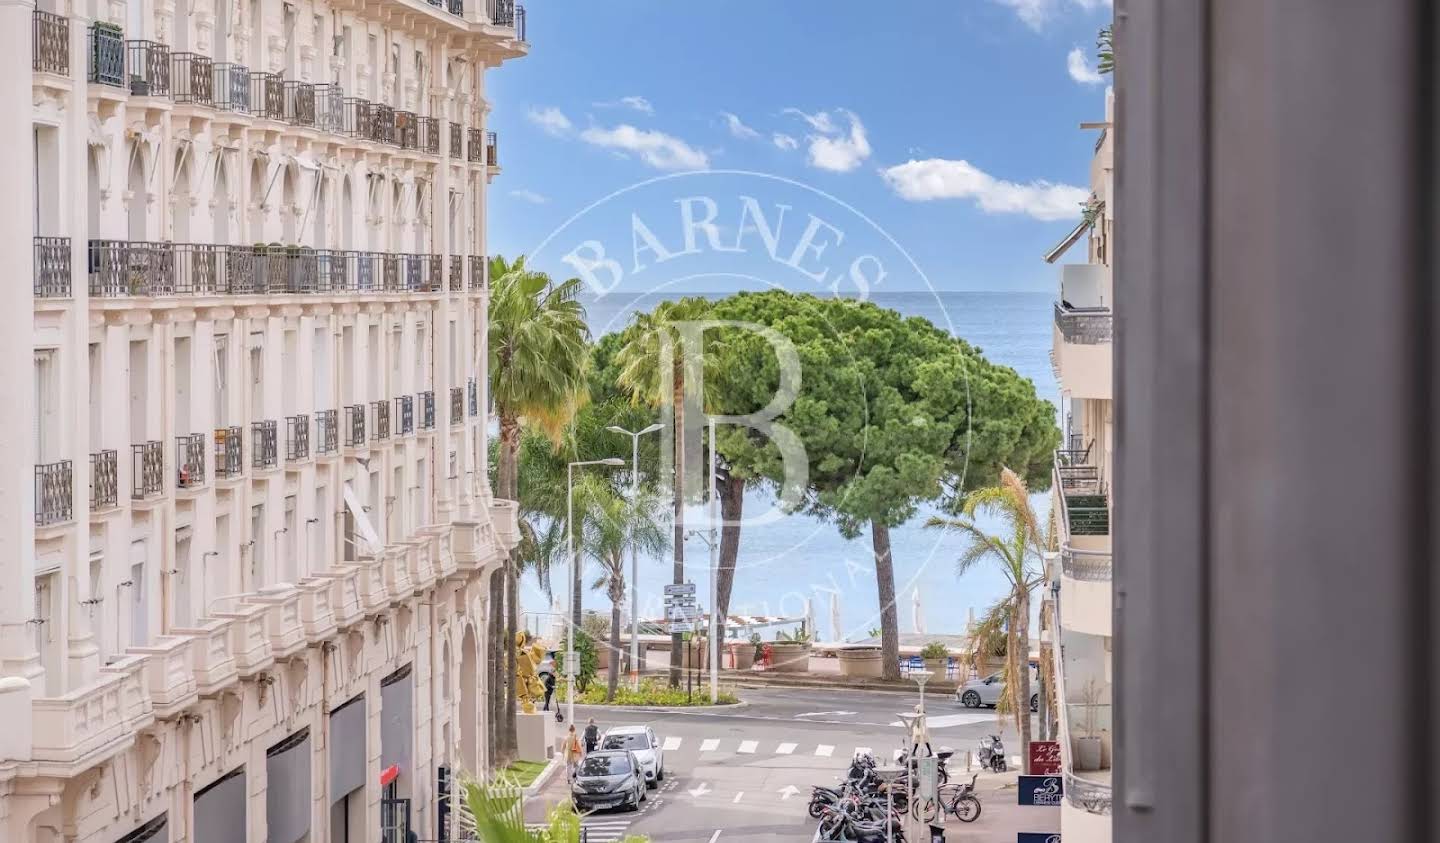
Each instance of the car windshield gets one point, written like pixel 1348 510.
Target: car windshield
pixel 635 740
pixel 605 765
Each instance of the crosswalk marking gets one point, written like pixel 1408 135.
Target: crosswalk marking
pixel 785 749
pixel 709 745
pixel 737 796
pixel 596 830
pixel 672 743
pixel 824 750
pixel 748 747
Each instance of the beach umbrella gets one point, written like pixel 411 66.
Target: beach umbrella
pixel 915 612
pixel 835 616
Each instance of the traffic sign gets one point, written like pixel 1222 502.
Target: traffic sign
pixel 572 663
pixel 680 589
pixel 927 770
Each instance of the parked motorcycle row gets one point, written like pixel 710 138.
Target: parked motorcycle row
pixel 860 808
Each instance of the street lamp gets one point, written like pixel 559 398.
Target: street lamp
pixel 634 556
pixel 889 774
pixel 570 666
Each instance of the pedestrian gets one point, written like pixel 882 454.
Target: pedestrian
pixel 592 737
pixel 549 689
pixel 573 751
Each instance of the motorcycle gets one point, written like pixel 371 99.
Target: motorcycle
pixel 992 753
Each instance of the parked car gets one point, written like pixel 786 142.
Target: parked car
pixel 987 691
pixel 608 779
pixel 641 741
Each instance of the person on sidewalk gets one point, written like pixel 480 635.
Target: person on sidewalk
pixel 573 752
pixel 592 737
pixel 549 690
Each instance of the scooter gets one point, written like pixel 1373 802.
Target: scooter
pixel 992 753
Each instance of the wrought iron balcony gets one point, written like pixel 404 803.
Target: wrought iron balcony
pixel 297 437
pixel 53 496
pixel 457 141
pixel 457 405
pixel 355 425
pixel 125 268
pixel 107 55
pixel 429 135
pixel 299 103
pixel 50 43
pixel 380 412
pixel 327 435
pixel 474 389
pixel 492 149
pixel 190 461
pixel 382 124
pixel 456 7
pixel 330 108
pixel 193 77
pixel 264 450
pixel 104 480
pixel 479 272
pixel 232 87
pixel 52 267
pixel 1084 498
pixel 148 64
pixel 229 453
pixel 267 95
pixel 457 274
pixel 509 14
pixel 475 146
pixel 147 464
pixel 427 410
pixel 358 118
pixel 406 130
pixel 405 410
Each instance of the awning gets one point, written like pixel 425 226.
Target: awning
pixel 1070 239
pixel 368 539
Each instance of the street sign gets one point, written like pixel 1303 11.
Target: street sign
pixel 927 771
pixel 1045 758
pixel 680 590
pixel 572 664
pixel 1038 837
pixel 1041 791
pixel 677 627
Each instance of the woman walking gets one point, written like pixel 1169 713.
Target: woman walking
pixel 573 752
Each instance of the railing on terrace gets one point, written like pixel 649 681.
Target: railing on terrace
pixel 1083 325
pixel 357 118
pixel 148 64
pixel 297 437
pixel 147 469
pixel 390 270
pixel 1084 502
pixel 428 135
pixel 232 87
pixel 492 149
pixel 407 130
pixel 474 390
pixel 474 146
pixel 457 140
pixel 229 453
pixel 1090 793
pixel 380 411
pixel 50 43
pixel 264 450
pixel 193 77
pixel 107 55
pixel 53 496
pixel 457 405
pixel 479 273
pixel 327 433
pixel 52 267
pixel 1088 565
pixel 104 480
pixel 382 124
pixel 457 274
pixel 427 410
pixel 355 425
pixel 299 103
pixel 330 108
pixel 267 95
pixel 190 461
pixel 456 7
pixel 405 410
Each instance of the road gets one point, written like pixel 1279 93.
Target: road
pixel 745 773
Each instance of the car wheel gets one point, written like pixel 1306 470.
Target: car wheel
pixel 659 775
pixel 970 699
pixel 1034 702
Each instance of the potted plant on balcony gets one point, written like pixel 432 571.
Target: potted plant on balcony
pixel 936 657
pixel 1087 746
pixel 790 652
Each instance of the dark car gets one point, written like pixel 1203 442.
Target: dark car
pixel 608 779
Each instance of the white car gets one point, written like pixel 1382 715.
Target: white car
pixel 987 691
pixel 641 741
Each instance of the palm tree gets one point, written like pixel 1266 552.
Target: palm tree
pixel 1017 551
pixel 538 357
pixel 493 812
pixel 611 524
pixel 654 342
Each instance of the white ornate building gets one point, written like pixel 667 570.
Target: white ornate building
pixel 241 598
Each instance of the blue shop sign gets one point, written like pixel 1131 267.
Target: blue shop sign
pixel 1041 790
pixel 1038 837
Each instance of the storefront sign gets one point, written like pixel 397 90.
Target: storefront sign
pixel 1044 791
pixel 1038 837
pixel 1045 758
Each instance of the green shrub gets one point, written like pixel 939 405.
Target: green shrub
pixel 934 650
pixel 653 692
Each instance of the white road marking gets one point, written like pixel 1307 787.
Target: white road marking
pixel 715 836
pixel 785 749
pixel 737 797
pixel 709 745
pixel 824 750
pixel 787 791
pixel 748 747
pixel 825 714
pixel 672 743
pixel 945 720
pixel 700 790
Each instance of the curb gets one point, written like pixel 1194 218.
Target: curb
pixel 895 688
pixel 667 709
pixel 533 789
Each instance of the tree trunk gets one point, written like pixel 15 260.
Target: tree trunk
pixel 885 585
pixel 503 652
pixel 512 602
pixel 617 596
pixel 732 500
pixel 678 396
pixel 500 693
pixel 1022 677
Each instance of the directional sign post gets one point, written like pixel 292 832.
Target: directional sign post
pixel 682 614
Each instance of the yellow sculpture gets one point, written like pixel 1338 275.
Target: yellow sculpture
pixel 528 688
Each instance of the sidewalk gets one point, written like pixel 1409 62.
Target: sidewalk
pixel 1001 814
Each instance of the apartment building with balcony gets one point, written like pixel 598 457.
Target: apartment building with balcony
pixel 1076 611
pixel 243 545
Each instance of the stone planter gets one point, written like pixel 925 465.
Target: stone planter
pixel 861 662
pixel 742 659
pixel 1088 753
pixel 789 657
pixel 937 667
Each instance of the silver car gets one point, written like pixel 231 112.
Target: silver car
pixel 641 741
pixel 987 691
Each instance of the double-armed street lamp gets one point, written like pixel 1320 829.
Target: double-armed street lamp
pixel 634 556
pixel 571 668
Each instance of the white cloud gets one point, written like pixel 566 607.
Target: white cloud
pixel 1036 13
pixel 784 141
pixel 737 126
pixel 1080 69
pixel 938 178
pixel 639 104
pixel 833 147
pixel 551 120
pixel 657 149
pixel 529 196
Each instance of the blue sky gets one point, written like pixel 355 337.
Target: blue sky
pixel 953 126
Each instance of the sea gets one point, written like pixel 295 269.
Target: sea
pixel 796 566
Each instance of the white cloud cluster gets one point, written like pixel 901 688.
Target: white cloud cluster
pixel 655 148
pixel 939 178
pixel 1081 70
pixel 551 120
pixel 832 146
pixel 784 141
pixel 737 127
pixel 633 103
pixel 530 196
pixel 1036 13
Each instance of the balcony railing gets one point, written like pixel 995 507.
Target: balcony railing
pixel 1084 502
pixel 330 108
pixel 148 63
pixel 473 389
pixel 358 118
pixel 53 495
pixel 104 480
pixel 355 425
pixel 299 103
pixel 405 410
pixel 509 14
pixel 107 55
pixel 457 274
pixel 475 146
pixel 1085 326
pixel 147 461
pixel 456 7
pixel 190 461
pixel 380 413
pixel 1088 565
pixel 52 267
pixel 50 44
pixel 193 76
pixel 427 410
pixel 267 95
pixel 327 434
pixel 229 453
pixel 406 132
pixel 429 131
pixel 457 405
pixel 232 87
pixel 264 452
pixel 492 149
pixel 297 437
pixel 457 141
pixel 479 273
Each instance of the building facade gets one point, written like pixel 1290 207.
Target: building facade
pixel 1076 610
pixel 241 598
